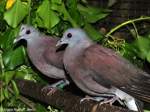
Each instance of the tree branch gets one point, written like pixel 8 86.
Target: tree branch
pixel 63 100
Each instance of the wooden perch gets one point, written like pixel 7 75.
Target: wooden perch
pixel 63 100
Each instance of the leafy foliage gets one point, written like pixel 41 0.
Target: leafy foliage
pixel 138 50
pixel 16 14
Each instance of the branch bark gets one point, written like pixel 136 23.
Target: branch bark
pixel 63 100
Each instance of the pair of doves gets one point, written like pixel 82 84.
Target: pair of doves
pixel 98 71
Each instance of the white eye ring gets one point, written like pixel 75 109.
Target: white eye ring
pixel 22 28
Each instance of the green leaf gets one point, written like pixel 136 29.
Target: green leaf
pixel 6 93
pixel 40 108
pixel 93 33
pixel 15 88
pixel 146 110
pixel 1 96
pixel 8 76
pixel 74 12
pixel 139 48
pixel 14 58
pixel 16 14
pixel 48 18
pixel 92 14
pixel 25 72
pixel 6 39
pixel 61 9
pixel 148 57
pixel 2 6
pixel 2 109
pixel 56 1
pixel 131 52
pixel 143 45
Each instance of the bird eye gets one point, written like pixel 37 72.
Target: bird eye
pixel 69 35
pixel 28 32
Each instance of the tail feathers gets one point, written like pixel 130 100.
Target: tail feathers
pixel 140 88
pixel 139 105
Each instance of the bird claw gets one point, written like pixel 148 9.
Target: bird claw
pixel 91 98
pixel 49 90
pixel 103 100
pixel 111 100
pixel 83 99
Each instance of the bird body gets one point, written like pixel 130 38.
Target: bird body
pixel 98 70
pixel 42 52
pixel 45 58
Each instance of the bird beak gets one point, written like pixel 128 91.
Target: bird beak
pixel 16 40
pixel 59 43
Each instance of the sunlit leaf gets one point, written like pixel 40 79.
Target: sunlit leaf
pixel 16 14
pixel 148 57
pixel 14 58
pixel 74 12
pixel 2 109
pixel 6 39
pixel 92 14
pixel 8 76
pixel 143 45
pixel 48 18
pixel 6 93
pixel 15 88
pixel 56 1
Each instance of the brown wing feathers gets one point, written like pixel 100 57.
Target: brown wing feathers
pixel 118 72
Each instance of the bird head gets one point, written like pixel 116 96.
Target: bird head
pixel 26 33
pixel 72 37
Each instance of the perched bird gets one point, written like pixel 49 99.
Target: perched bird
pixel 99 71
pixel 42 53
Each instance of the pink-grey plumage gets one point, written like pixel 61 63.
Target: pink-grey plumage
pixel 42 52
pixel 97 70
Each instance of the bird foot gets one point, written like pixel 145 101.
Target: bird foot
pixel 49 89
pixel 111 100
pixel 91 98
pixel 103 100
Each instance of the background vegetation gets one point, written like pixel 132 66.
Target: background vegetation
pixel 53 17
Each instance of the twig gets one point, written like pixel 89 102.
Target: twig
pixel 63 100
pixel 26 101
pixel 125 23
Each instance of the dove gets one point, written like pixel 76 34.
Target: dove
pixel 99 71
pixel 41 51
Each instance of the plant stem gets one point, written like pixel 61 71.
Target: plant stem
pixel 125 23
pixel 74 24
pixel 26 101
pixel 1 64
pixel 29 11
pixel 2 74
pixel 135 29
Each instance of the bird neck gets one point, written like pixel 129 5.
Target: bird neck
pixel 35 40
pixel 36 45
pixel 73 52
pixel 80 44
